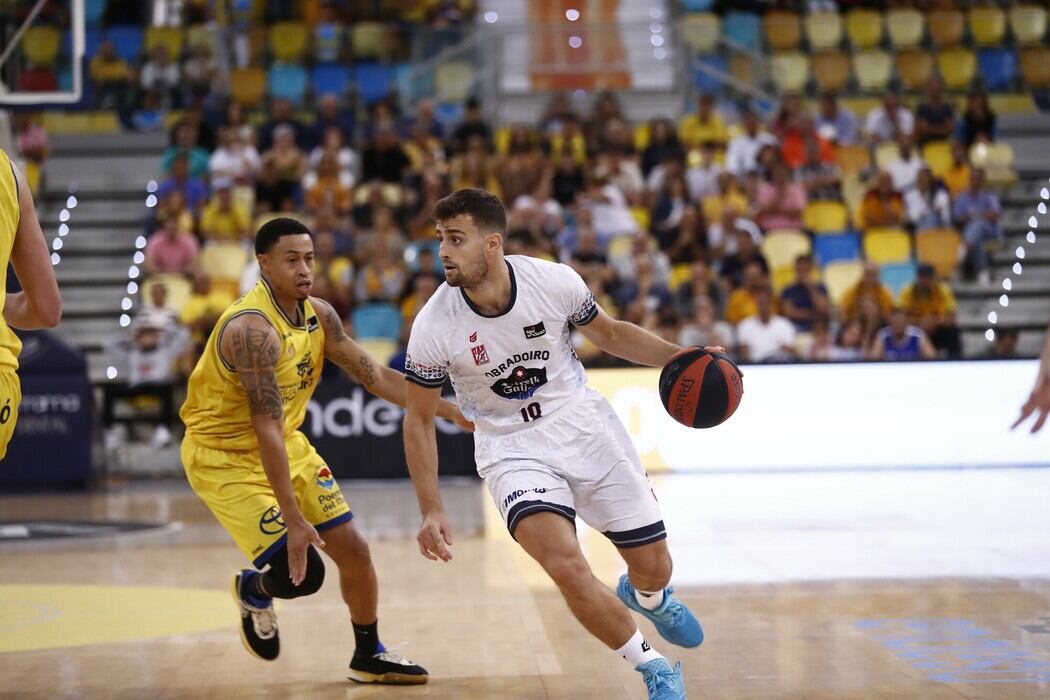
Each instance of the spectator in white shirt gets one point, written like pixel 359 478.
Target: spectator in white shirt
pixel 743 150
pixel 610 214
pixel 765 337
pixel 347 159
pixel 702 178
pixel 160 74
pixel 928 204
pixel 234 159
pixel 889 120
pixel 905 169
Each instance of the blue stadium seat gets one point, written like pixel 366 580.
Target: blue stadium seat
pixel 93 10
pixel 331 78
pixel 833 247
pixel 998 67
pixel 92 38
pixel 697 5
pixel 743 28
pixel 449 113
pixel 897 276
pixel 287 81
pixel 377 320
pixel 704 82
pixel 65 79
pixel 373 81
pixel 128 41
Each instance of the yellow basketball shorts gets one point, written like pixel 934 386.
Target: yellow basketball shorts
pixel 10 398
pixel 234 487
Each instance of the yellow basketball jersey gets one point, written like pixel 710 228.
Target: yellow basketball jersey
pixel 10 345
pixel 216 409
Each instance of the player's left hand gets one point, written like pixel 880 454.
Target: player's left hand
pixel 435 537
pixel 461 420
pixel 715 348
pixel 1039 403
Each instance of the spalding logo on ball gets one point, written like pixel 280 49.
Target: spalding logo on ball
pixel 700 389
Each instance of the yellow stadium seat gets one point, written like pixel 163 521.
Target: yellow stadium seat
pixel 742 67
pixel 887 245
pixel 680 274
pixel 864 28
pixel 938 155
pixel 223 261
pixel 824 29
pixel 852 158
pixel 872 69
pixel 825 217
pixel 502 140
pixel 790 71
pixel 168 37
pixel 840 276
pixel 1035 66
pixel 987 25
pixel 905 27
pixel 288 41
pixel 248 86
pixel 454 81
pixel 957 67
pixel 640 136
pixel 782 278
pixel 178 286
pixel 620 246
pixel 780 248
pixel 946 27
pixel 701 31
pixel 853 191
pixel 368 39
pixel 381 349
pixel 198 36
pixel 40 45
pixel 782 29
pixel 831 70
pixel 997 159
pixel 642 217
pixel 914 68
pixel 1028 23
pixel 886 153
pixel 938 247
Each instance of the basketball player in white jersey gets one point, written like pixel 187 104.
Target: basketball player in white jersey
pixel 548 447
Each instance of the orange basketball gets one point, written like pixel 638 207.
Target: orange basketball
pixel 700 389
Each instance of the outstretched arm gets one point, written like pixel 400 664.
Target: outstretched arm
pixel 628 341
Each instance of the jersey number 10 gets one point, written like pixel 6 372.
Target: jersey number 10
pixel 531 412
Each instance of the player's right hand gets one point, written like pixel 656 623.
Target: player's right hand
pixel 435 537
pixel 1038 403
pixel 300 536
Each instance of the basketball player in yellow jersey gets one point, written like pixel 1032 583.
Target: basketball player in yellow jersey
pixel 38 305
pixel 246 459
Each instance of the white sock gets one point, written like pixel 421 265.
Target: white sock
pixel 637 651
pixel 649 600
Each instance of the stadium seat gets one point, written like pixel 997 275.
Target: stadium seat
pixel 790 71
pixel 938 247
pixel 642 217
pixel 825 217
pixel 37 79
pixel 885 153
pixel 872 69
pixel 997 159
pixel 381 349
pixel 680 274
pixel 840 276
pixel 853 191
pixel 824 30
pixel 896 276
pixel 1035 66
pixel 619 247
pixel 783 30
pixel 864 28
pixel 704 82
pixel 368 39
pixel 168 37
pixel 987 25
pixel 914 68
pixel 373 81
pixel 287 81
pixel 938 155
pixel 127 40
pixel 852 158
pixel 905 27
pixel 198 36
pixel 223 261
pixel 640 136
pixel 782 277
pixel 178 286
pixel 247 86
pixel 701 32
pixel 946 27
pixel 93 11
pixel 288 41
pixel 998 68
pixel 697 5
pixel 780 248
pixel 1028 23
pixel 40 45
pixel 744 68
pixel 836 247
pixel 455 80
pixel 957 67
pixel 743 28
pixel 831 70
pixel 377 320
pixel 887 245
pixel 331 78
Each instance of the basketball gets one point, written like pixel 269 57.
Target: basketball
pixel 700 389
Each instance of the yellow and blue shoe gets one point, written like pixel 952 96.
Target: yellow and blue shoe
pixel 672 619
pixel 258 622
pixel 661 680
pixel 386 668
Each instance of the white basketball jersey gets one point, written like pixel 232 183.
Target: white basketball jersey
pixel 511 370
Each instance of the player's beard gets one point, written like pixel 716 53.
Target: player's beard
pixel 468 279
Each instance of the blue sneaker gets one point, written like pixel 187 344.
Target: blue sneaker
pixel 672 619
pixel 662 681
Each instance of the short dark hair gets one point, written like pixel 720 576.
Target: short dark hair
pixel 275 228
pixel 483 207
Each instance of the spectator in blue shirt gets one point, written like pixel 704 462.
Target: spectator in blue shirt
pixel 806 299
pixel 186 146
pixel 193 188
pixel 835 122
pixel 976 212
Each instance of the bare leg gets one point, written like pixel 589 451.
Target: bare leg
pixel 648 566
pixel 357 577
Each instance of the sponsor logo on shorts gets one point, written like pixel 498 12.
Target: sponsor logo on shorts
pixel 331 502
pixel 271 522
pixel 534 331
pixel 515 495
pixel 481 355
pixel 324 477
pixel 521 383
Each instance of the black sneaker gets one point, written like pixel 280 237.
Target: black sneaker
pixel 388 668
pixel 258 625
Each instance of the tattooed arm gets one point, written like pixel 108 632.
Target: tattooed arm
pixel 252 346
pixel 382 381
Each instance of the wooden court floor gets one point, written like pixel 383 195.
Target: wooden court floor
pixel 149 616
